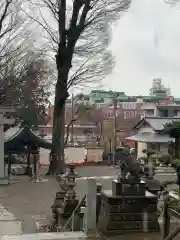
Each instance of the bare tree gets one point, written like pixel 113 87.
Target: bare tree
pixel 16 44
pixel 80 37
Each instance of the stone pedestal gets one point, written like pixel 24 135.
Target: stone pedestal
pixel 152 185
pixel 128 207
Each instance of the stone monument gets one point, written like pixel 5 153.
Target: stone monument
pixel 128 206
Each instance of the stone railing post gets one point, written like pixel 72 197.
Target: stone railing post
pixel 166 217
pixel 90 211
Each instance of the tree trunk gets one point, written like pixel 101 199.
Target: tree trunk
pixel 58 130
pixel 35 165
pixel 28 161
pixel 9 164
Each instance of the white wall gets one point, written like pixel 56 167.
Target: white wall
pixel 72 155
pixel 140 147
pixel 150 106
pixel 145 130
pixel 178 113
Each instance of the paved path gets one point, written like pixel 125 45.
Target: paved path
pixel 29 201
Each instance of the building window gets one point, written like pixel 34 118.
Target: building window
pixel 130 105
pixel 149 112
pixel 129 114
pixel 164 113
pixel 110 114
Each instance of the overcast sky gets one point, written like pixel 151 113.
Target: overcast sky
pixel 146 43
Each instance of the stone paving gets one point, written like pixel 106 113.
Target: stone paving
pixel 32 201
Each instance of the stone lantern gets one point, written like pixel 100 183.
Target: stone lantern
pixel 70 199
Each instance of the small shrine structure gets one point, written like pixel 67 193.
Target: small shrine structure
pixel 22 139
pixel 18 139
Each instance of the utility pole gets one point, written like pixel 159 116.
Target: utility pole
pixel 72 114
pixel 115 123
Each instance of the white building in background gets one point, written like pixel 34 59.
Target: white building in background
pixel 150 134
pixel 158 88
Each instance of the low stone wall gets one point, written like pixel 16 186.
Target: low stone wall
pixel 72 155
pixel 94 154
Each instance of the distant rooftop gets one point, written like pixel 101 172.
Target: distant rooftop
pixel 101 96
pixel 157 123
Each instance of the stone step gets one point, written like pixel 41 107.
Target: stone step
pixel 166 169
pixel 137 236
pixel 48 236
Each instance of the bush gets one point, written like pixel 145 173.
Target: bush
pixel 175 163
pixel 148 152
pixel 165 159
pixel 175 203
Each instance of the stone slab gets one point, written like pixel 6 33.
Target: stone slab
pixel 112 199
pixel 131 225
pixel 131 217
pixel 137 236
pixel 9 224
pixel 10 227
pixel 47 236
pixel 128 188
pixel 129 208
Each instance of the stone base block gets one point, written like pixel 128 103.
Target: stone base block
pixel 124 203
pixel 4 181
pixel 128 188
pixel 128 213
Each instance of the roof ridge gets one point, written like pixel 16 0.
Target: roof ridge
pixel 154 117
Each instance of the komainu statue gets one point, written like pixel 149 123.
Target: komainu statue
pixel 130 168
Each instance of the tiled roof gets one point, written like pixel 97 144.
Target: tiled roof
pixel 12 132
pixel 157 123
pixel 150 138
